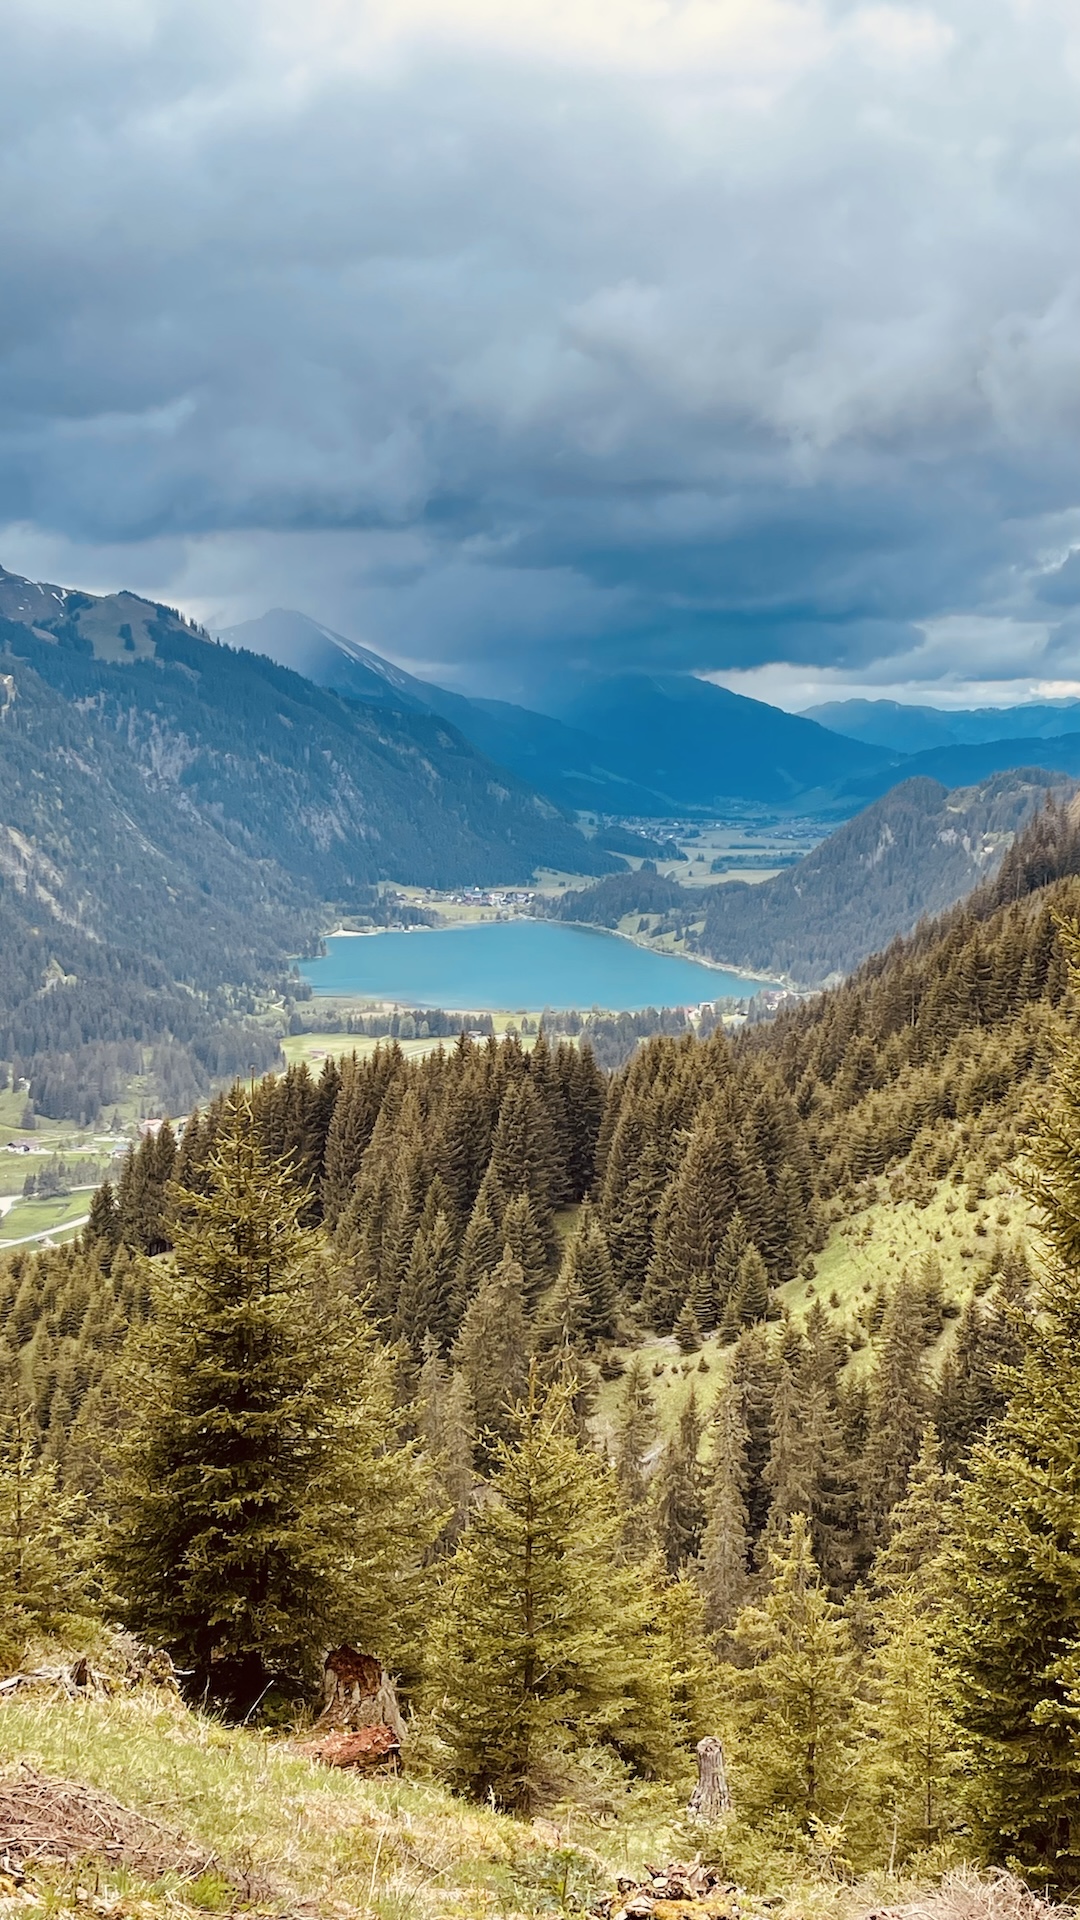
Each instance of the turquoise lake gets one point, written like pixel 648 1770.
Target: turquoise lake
pixel 515 966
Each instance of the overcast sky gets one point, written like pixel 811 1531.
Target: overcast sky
pixel 505 335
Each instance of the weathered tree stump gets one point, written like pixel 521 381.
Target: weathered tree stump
pixel 711 1798
pixel 361 1723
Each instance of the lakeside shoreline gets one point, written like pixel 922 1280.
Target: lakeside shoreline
pixel 752 982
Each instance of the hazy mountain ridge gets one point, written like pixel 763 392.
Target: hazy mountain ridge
pixel 916 729
pixel 964 766
pixel 701 745
pixel 637 744
pixel 560 761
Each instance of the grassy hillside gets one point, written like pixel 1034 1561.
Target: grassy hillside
pixel 291 1836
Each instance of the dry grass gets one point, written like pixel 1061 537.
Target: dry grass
pixel 299 1838
pixel 965 1895
pixel 60 1820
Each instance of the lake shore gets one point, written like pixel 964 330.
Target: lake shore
pixel 754 981
pixel 520 964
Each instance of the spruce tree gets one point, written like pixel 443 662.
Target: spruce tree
pixel 543 1638
pixel 1014 1620
pixel 585 1293
pixel 687 1330
pixel 44 1561
pixel 424 1304
pixel 103 1230
pixel 898 1408
pixel 444 1427
pixel 752 1288
pixel 521 1231
pixel 262 1506
pixel 481 1250
pixel 724 1567
pixel 636 1429
pixel 492 1351
pixel 677 1494
pixel 913 1769
pixel 524 1156
pixel 796 1695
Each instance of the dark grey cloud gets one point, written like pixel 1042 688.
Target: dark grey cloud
pixel 717 334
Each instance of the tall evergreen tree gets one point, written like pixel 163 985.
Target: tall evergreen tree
pixel 795 1697
pixel 636 1429
pixel 585 1293
pixel 677 1494
pixel 724 1567
pixel 43 1557
pixel 899 1405
pixel 543 1640
pixel 1014 1617
pixel 491 1353
pixel 424 1304
pixel 444 1426
pixel 262 1507
pixel 913 1761
pixel 481 1250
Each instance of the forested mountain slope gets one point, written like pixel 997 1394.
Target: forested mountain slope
pixel 558 760
pixel 914 852
pixel 517 1224
pixel 176 819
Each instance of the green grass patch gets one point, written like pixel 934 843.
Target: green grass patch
pixel 300 1837
pixel 44 1216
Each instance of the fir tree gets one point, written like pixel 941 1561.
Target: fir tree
pixel 751 1288
pixel 585 1293
pixel 43 1544
pixel 724 1567
pixel 444 1427
pixel 491 1352
pixel 898 1409
pixel 262 1507
pixel 795 1697
pixel 542 1644
pixel 103 1230
pixel 687 1330
pixel 521 1231
pixel 677 1492
pixel 913 1768
pixel 481 1249
pixel 636 1428
pixel 425 1296
pixel 1013 1618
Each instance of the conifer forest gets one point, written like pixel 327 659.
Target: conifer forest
pixel 383 1358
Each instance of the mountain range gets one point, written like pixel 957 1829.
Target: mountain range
pixel 647 745
pixel 911 729
pixel 912 853
pixel 178 817
pixel 658 745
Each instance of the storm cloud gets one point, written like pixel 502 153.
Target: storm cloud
pixel 734 335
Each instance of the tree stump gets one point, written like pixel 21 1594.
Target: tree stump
pixel 711 1798
pixel 358 1692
